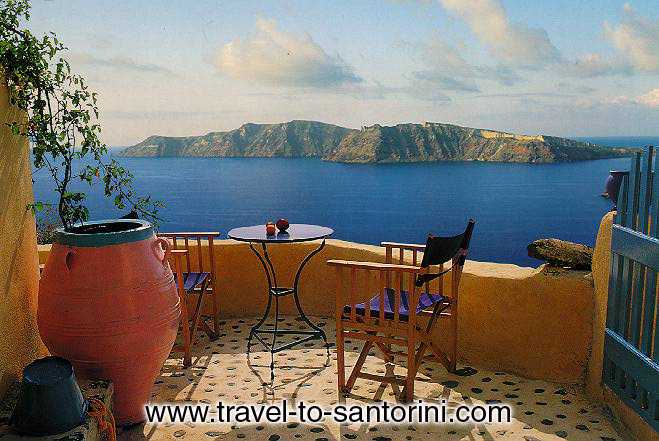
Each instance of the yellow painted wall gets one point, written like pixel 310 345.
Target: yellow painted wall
pixel 601 267
pixel 533 322
pixel 19 337
pixel 594 386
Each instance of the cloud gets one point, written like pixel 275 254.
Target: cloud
pixel 119 63
pixel 528 95
pixel 447 82
pixel 449 70
pixel 402 2
pixel 274 57
pixel 512 43
pixel 636 43
pixel 594 65
pixel 636 39
pixel 419 90
pixel 650 99
pixel 574 88
pixel 423 92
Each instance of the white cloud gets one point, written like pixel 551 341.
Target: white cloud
pixel 636 43
pixel 618 100
pixel 574 88
pixel 118 63
pixel 595 65
pixel 449 70
pixel 511 43
pixel 275 57
pixel 650 99
pixel 636 40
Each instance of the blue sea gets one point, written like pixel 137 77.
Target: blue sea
pixel 513 204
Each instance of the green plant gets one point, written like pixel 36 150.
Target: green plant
pixel 47 223
pixel 62 119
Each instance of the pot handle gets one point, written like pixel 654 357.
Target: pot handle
pixel 164 244
pixel 68 259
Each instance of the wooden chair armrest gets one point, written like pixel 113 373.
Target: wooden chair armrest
pixel 175 257
pixel 405 246
pixel 190 234
pixel 374 266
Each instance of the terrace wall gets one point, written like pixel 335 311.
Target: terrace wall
pixel 19 339
pixel 533 322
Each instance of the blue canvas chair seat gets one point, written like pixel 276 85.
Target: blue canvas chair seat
pixel 426 300
pixel 193 280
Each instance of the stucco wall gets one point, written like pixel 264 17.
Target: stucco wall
pixel 601 267
pixel 19 338
pixel 533 322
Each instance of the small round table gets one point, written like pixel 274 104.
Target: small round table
pixel 295 233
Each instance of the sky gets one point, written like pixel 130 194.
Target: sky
pixel 181 68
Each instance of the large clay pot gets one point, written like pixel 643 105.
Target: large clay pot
pixel 108 303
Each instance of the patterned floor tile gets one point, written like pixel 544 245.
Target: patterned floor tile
pixel 222 371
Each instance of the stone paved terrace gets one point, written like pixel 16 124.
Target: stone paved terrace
pixel 221 372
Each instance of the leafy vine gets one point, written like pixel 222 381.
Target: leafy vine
pixel 62 120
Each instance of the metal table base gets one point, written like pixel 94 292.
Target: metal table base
pixel 275 292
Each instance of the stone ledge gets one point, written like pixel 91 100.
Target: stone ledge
pixel 87 431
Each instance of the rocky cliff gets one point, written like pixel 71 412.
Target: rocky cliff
pixel 374 144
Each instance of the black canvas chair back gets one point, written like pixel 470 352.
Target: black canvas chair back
pixel 440 250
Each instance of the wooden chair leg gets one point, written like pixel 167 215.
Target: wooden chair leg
pixel 453 356
pixel 418 359
pixel 209 331
pixel 386 350
pixel 196 316
pixel 408 390
pixel 407 394
pixel 340 357
pixel 216 318
pixel 185 324
pixel 411 357
pixel 185 318
pixel 358 365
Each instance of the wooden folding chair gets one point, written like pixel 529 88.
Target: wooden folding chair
pixel 194 264
pixel 406 291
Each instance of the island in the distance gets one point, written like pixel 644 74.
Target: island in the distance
pixel 374 144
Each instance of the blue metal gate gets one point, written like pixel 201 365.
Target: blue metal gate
pixel 631 346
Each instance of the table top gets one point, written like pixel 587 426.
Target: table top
pixel 294 233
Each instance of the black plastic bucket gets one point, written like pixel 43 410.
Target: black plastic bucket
pixel 50 400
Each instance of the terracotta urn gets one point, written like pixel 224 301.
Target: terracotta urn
pixel 108 303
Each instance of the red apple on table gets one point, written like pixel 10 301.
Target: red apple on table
pixel 282 224
pixel 270 229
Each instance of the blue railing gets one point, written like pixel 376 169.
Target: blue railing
pixel 631 346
